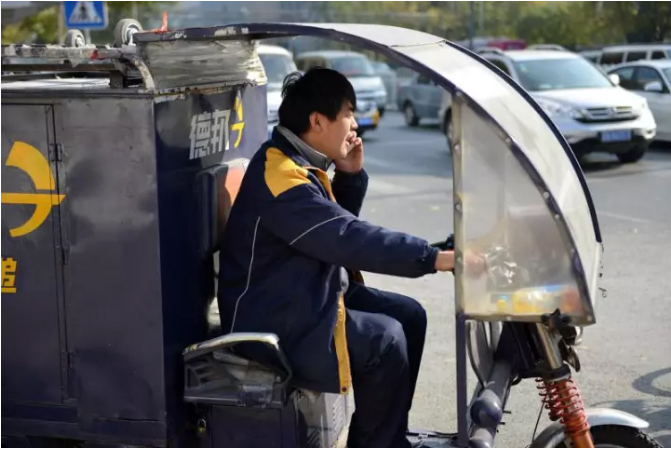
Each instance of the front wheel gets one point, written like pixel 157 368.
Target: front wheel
pixel 633 155
pixel 620 436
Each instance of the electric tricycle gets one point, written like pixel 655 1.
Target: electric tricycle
pixel 119 167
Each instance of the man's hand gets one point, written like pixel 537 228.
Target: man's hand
pixel 474 267
pixel 353 163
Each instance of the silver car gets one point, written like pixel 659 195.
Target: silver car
pixel 651 80
pixel 592 112
pixel 368 85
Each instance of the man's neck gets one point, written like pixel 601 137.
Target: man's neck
pixel 303 146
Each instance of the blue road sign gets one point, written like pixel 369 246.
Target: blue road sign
pixel 85 15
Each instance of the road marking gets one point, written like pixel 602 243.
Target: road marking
pixel 624 217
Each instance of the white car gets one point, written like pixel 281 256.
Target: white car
pixel 278 63
pixel 592 112
pixel 652 80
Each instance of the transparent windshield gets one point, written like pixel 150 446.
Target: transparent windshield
pixel 667 74
pixel 562 73
pixel 353 66
pixel 277 67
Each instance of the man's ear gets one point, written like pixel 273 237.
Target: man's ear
pixel 316 122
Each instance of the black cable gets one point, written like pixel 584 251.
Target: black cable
pixel 540 412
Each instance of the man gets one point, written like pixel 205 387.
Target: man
pixel 291 253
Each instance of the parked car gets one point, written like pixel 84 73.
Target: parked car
pixel 389 78
pixel 592 112
pixel 651 80
pixel 278 63
pixel 419 99
pixel 618 54
pixel 368 85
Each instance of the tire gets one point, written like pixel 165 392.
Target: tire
pixel 123 31
pixel 411 118
pixel 620 436
pixel 633 155
pixel 75 38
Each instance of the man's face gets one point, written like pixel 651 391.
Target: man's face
pixel 331 137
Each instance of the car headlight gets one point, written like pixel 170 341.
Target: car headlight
pixel 554 109
pixel 364 106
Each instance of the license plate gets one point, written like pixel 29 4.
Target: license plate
pixel 616 136
pixel 365 121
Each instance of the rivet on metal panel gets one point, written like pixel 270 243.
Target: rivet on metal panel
pixel 557 217
pixel 458 94
pixel 546 195
pixel 459 260
pixel 508 141
pixel 457 207
pixel 456 148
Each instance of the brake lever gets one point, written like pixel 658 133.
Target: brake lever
pixel 446 245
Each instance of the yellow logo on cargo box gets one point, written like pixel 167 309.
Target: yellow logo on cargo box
pixel 32 161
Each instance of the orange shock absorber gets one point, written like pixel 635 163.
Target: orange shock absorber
pixel 563 402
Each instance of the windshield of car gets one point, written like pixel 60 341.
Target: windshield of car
pixel 667 74
pixel 353 66
pixel 563 73
pixel 277 67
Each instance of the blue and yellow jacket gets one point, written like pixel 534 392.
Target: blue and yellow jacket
pixel 289 233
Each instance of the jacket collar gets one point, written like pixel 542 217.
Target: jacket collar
pixel 302 156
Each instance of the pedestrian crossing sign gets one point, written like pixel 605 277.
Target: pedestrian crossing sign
pixel 85 15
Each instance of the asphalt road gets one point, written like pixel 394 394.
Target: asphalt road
pixel 626 356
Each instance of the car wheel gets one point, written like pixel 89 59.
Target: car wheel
pixel 411 118
pixel 633 155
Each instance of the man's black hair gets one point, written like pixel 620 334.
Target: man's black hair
pixel 318 90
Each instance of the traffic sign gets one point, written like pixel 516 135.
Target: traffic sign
pixel 85 15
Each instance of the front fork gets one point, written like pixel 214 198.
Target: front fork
pixel 560 394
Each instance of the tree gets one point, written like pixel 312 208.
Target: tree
pixel 641 21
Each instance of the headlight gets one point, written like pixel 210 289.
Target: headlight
pixel 364 106
pixel 558 110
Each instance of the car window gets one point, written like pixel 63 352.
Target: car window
pixel 277 66
pixel 658 54
pixel 611 58
pixel 308 63
pixel 635 56
pixel 302 64
pixel 645 75
pixel 501 65
pixel 667 74
pixel 423 80
pixel 560 73
pixel 626 75
pixel 352 66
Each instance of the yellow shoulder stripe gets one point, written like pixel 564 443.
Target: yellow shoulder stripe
pixel 281 173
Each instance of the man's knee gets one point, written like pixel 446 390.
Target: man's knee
pixel 395 349
pixel 419 315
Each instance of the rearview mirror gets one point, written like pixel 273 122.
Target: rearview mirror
pixel 615 78
pixel 653 86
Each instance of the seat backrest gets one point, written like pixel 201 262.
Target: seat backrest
pixel 216 190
